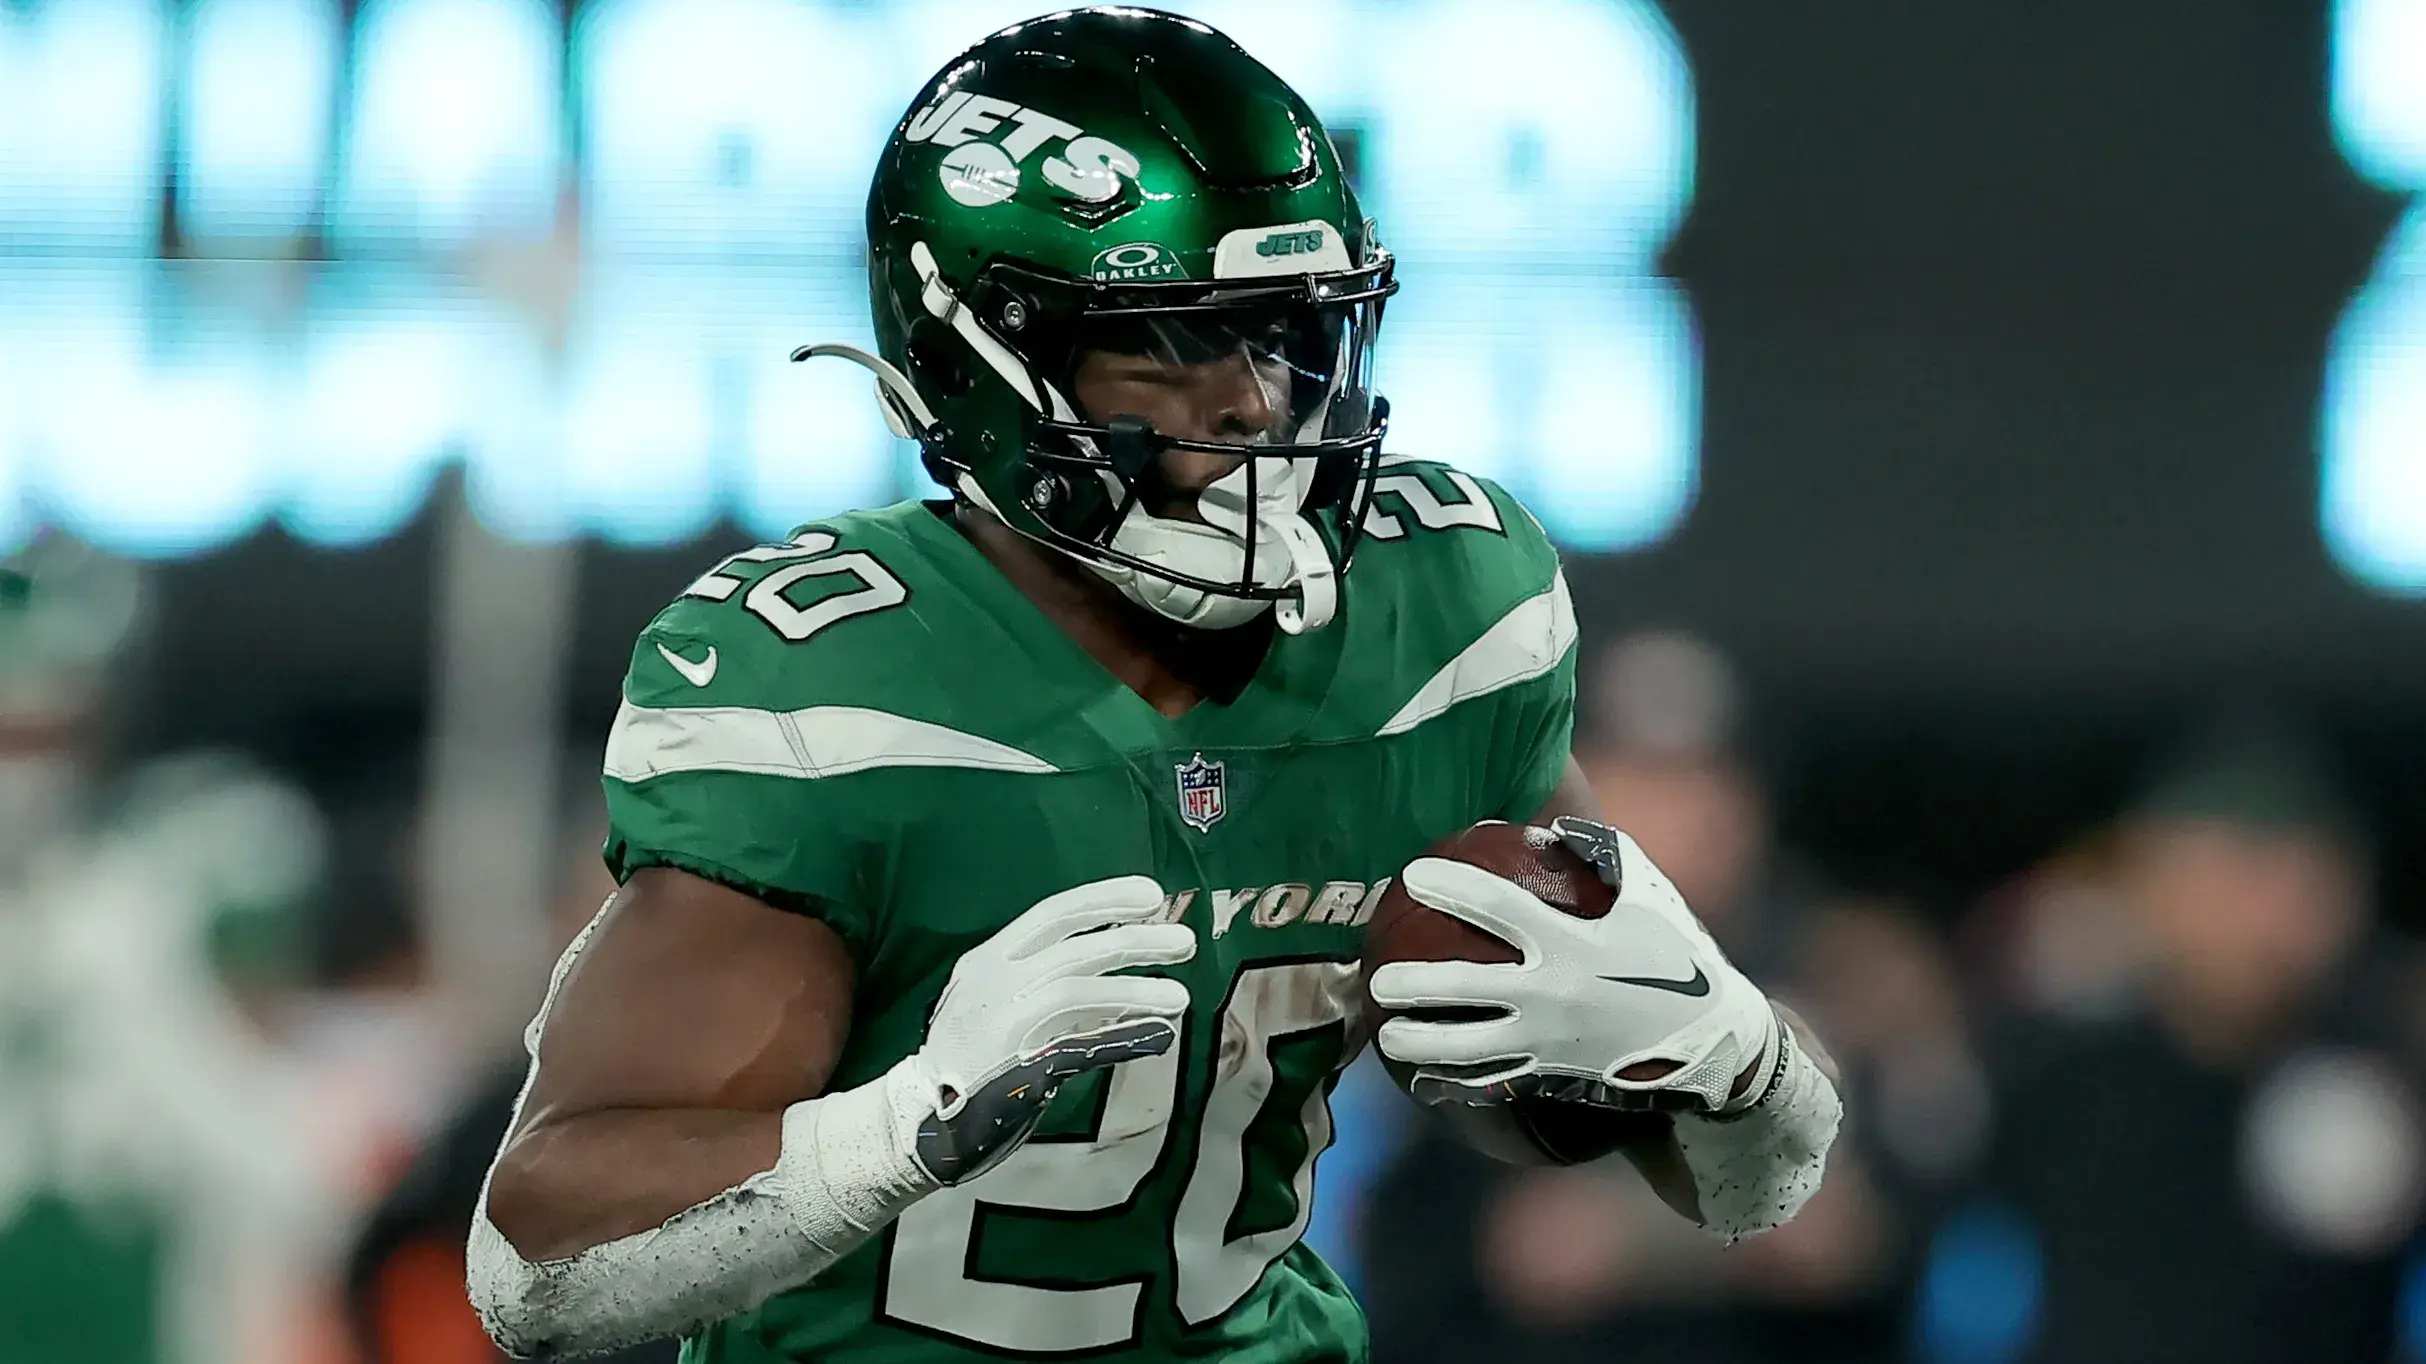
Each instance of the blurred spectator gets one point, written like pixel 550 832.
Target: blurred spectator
pixel 2059 940
pixel 1468 1259
pixel 405 1299
pixel 159 1197
pixel 373 1035
pixel 2231 1169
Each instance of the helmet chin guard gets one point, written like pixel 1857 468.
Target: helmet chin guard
pixel 1287 554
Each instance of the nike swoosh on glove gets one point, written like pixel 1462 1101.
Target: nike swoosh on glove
pixel 1636 1009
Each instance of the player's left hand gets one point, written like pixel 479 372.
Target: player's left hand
pixel 1635 1009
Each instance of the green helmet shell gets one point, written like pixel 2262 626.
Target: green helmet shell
pixel 1109 162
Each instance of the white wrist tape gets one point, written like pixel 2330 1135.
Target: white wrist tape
pixel 844 1171
pixel 1755 1170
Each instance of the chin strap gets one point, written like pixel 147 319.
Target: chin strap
pixel 1317 598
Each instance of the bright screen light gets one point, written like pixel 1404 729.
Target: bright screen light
pixel 1526 162
pixel 257 114
pixel 2379 89
pixel 456 128
pixel 80 132
pixel 2371 502
pixel 141 438
pixel 700 138
pixel 400 375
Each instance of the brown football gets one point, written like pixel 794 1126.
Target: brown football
pixel 1531 1131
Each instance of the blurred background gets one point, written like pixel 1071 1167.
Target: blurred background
pixel 1990 443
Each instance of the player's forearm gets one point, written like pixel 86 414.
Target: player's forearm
pixel 563 1187
pixel 840 1169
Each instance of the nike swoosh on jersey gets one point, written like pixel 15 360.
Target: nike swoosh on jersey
pixel 1697 986
pixel 697 674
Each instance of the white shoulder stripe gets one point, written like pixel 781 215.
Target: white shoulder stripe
pixel 821 741
pixel 1524 644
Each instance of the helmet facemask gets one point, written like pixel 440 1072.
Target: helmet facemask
pixel 1209 525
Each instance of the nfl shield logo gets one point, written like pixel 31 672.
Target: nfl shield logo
pixel 1200 792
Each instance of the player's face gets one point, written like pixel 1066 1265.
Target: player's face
pixel 1225 389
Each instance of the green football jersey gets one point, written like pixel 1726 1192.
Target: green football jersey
pixel 871 725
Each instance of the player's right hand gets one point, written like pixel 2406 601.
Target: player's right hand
pixel 1036 1004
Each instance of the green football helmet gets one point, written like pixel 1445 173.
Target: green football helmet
pixel 1118 181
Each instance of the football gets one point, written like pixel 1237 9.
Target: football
pixel 1527 1131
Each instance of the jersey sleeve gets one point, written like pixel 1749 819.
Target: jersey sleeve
pixel 706 773
pixel 1535 729
pixel 1471 637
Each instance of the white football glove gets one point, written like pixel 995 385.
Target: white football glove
pixel 1037 1004
pixel 1591 998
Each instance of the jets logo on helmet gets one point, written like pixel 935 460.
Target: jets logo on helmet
pixel 1290 243
pixel 979 173
pixel 1285 249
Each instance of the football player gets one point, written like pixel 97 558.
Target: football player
pixel 993 870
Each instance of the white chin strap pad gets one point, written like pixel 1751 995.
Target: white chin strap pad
pixel 1288 554
pixel 1317 579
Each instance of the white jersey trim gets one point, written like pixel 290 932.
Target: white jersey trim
pixel 1524 644
pixel 820 741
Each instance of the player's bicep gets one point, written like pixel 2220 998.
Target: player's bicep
pixel 689 994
